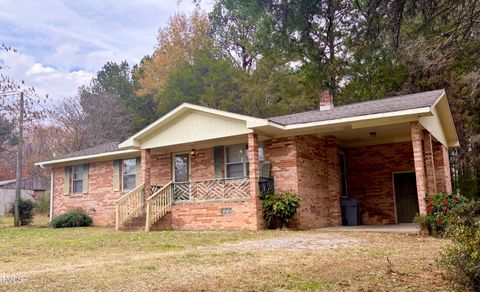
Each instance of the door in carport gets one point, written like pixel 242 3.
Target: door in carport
pixel 405 196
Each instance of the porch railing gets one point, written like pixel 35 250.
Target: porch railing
pixel 215 189
pixel 129 205
pixel 158 204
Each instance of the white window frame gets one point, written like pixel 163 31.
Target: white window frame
pixel 245 160
pixel 79 167
pixel 129 174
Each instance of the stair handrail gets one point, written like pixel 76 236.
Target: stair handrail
pixel 128 205
pixel 158 204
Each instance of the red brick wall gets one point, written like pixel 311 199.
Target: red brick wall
pixel 98 202
pixel 282 153
pixel 202 166
pixel 369 175
pixel 161 171
pixel 312 182
pixel 300 164
pixel 208 216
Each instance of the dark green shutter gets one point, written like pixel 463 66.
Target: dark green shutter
pixel 116 175
pixel 66 180
pixel 138 169
pixel 217 158
pixel 85 179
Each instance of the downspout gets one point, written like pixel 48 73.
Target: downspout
pixel 51 197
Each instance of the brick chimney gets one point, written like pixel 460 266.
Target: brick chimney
pixel 326 100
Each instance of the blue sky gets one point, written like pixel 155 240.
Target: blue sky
pixel 62 44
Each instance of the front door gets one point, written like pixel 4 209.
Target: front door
pixel 406 198
pixel 181 167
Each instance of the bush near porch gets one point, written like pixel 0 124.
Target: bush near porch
pixel 278 209
pixel 438 207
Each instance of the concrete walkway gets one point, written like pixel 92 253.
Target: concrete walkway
pixel 408 228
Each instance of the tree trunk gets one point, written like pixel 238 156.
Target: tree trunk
pixel 18 184
pixel 332 7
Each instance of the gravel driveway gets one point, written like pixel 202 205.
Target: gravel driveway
pixel 298 242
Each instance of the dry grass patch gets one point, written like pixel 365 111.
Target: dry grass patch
pixel 100 259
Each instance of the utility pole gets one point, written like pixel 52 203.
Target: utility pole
pixel 18 184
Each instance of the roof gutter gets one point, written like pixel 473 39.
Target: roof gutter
pixel 86 157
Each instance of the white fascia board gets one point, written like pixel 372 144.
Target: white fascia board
pixel 441 125
pixel 86 157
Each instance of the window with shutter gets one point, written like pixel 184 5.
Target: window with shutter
pixel 66 180
pixel 85 178
pixel 116 175
pixel 77 179
pixel 218 160
pixel 129 178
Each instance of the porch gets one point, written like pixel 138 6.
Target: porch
pixel 158 200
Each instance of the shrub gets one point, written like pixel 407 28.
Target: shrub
pixel 278 209
pixel 42 204
pixel 25 208
pixel 438 207
pixel 72 218
pixel 462 257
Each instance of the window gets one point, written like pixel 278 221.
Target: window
pixel 129 174
pixel 235 162
pixel 77 179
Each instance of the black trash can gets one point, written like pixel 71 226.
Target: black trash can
pixel 350 211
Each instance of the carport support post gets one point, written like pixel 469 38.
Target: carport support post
pixel 429 163
pixel 419 166
pixel 333 180
pixel 145 165
pixel 254 170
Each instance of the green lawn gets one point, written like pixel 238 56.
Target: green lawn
pixel 42 258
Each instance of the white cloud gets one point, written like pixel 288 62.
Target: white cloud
pixel 46 80
pixel 62 44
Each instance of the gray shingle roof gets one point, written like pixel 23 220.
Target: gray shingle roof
pixel 107 147
pixel 385 105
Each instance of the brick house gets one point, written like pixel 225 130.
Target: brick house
pixel 200 168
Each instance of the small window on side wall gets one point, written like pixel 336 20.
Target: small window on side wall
pixel 77 179
pixel 129 168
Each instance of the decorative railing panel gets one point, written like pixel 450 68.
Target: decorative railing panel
pixel 154 189
pixel 129 205
pixel 207 190
pixel 158 204
pixel 266 185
